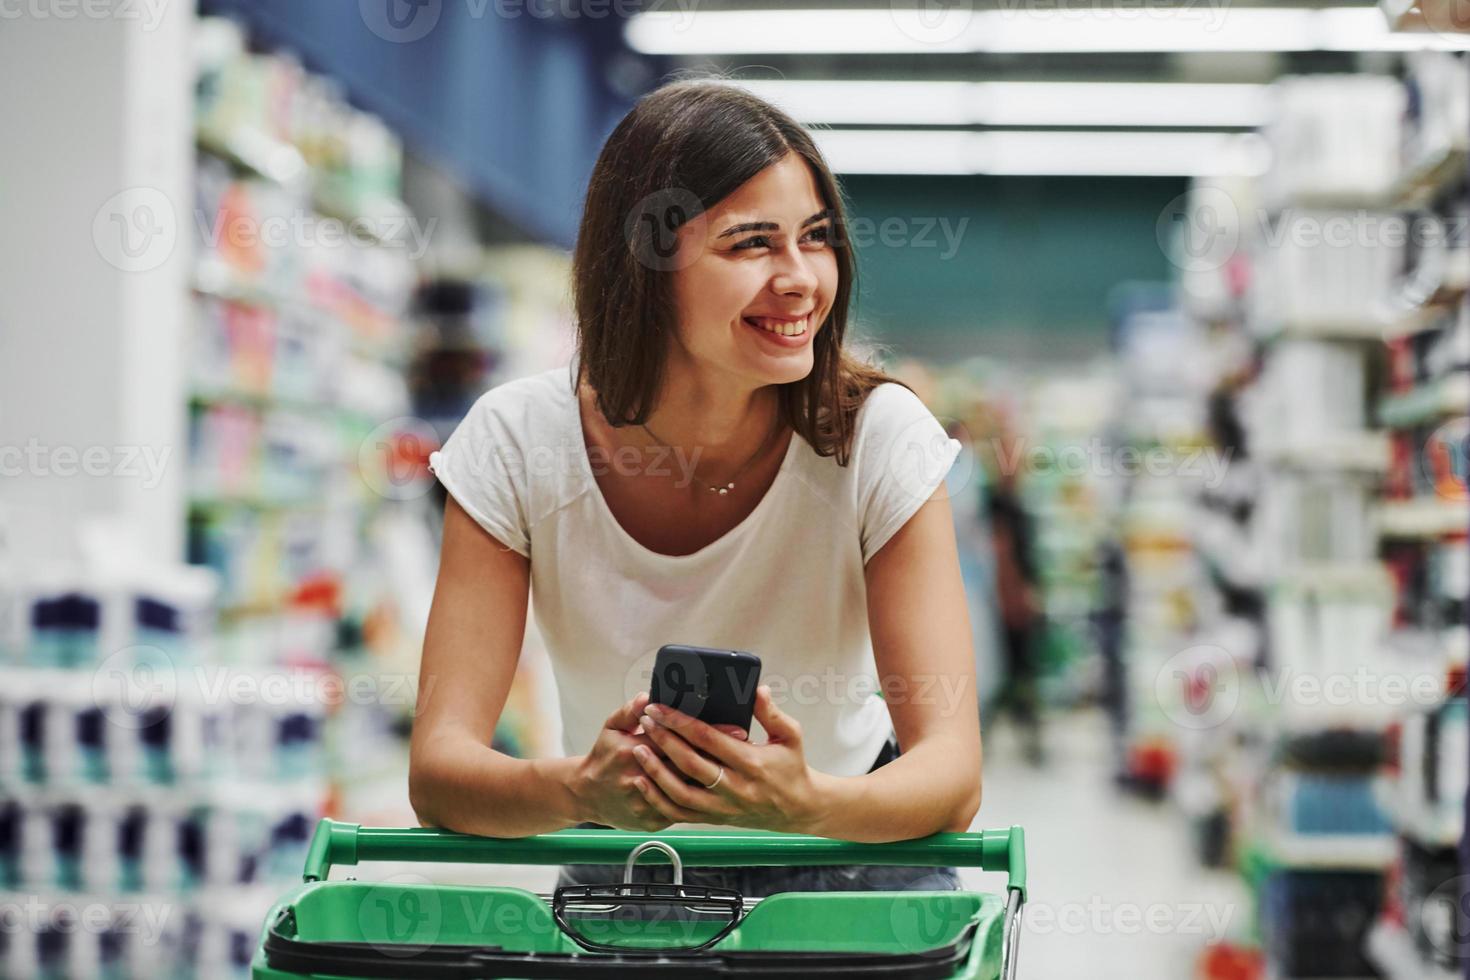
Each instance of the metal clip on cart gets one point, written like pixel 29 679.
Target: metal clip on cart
pixel 405 929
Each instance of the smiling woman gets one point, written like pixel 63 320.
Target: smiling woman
pixel 805 521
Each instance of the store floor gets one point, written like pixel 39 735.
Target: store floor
pixel 1115 891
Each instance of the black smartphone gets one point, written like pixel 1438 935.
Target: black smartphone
pixel 715 686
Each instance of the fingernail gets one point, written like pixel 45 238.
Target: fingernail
pixel 652 711
pixel 641 752
pixel 647 722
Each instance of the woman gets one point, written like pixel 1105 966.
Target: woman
pixel 712 469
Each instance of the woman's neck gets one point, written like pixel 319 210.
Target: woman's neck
pixel 723 419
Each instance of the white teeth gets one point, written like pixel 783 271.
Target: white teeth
pixel 782 327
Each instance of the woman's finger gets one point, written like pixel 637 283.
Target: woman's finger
pixel 682 755
pixel 625 718
pixel 779 726
pixel 733 753
pixel 662 804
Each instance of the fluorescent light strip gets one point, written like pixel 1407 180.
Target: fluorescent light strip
pixel 1127 104
pixel 1079 153
pixel 1212 26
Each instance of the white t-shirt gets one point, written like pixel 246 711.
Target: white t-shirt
pixel 785 584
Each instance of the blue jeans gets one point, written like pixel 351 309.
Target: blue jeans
pixel 762 880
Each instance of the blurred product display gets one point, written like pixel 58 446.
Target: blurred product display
pixel 1344 713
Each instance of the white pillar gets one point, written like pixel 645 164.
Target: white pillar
pixel 96 169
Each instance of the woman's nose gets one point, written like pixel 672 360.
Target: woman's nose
pixel 794 274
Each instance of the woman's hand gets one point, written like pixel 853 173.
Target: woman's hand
pixel 764 787
pixel 610 785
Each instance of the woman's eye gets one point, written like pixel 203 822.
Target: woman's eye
pixel 819 235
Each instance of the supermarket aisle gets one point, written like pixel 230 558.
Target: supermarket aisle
pixel 1115 893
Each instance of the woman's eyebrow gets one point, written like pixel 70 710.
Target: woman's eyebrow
pixel 771 225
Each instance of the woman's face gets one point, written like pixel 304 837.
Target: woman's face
pixel 762 277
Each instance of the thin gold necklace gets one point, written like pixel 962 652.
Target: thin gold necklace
pixel 725 489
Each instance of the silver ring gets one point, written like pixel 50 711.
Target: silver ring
pixel 717 779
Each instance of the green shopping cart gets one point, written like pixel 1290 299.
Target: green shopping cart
pixel 398 928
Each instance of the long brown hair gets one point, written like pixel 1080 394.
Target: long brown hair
pixel 681 150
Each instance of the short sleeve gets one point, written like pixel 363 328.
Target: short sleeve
pixel 902 455
pixel 478 466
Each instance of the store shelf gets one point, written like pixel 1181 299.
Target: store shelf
pixel 1431 828
pixel 1391 949
pixel 1428 316
pixel 1445 398
pixel 1329 852
pixel 1338 451
pixel 256 153
pixel 1423 518
pixel 1432 174
pixel 1302 328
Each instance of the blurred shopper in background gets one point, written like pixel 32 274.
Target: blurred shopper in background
pixel 1022 621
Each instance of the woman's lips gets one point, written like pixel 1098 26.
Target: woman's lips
pixel 782 331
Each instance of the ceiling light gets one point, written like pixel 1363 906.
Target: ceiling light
pixel 1016 152
pixel 1206 26
pixel 919 103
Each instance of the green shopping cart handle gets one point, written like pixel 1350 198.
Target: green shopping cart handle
pixel 337 842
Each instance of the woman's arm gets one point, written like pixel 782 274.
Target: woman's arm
pixel 473 641
pixel 920 626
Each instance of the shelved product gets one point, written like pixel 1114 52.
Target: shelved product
pixel 1356 286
